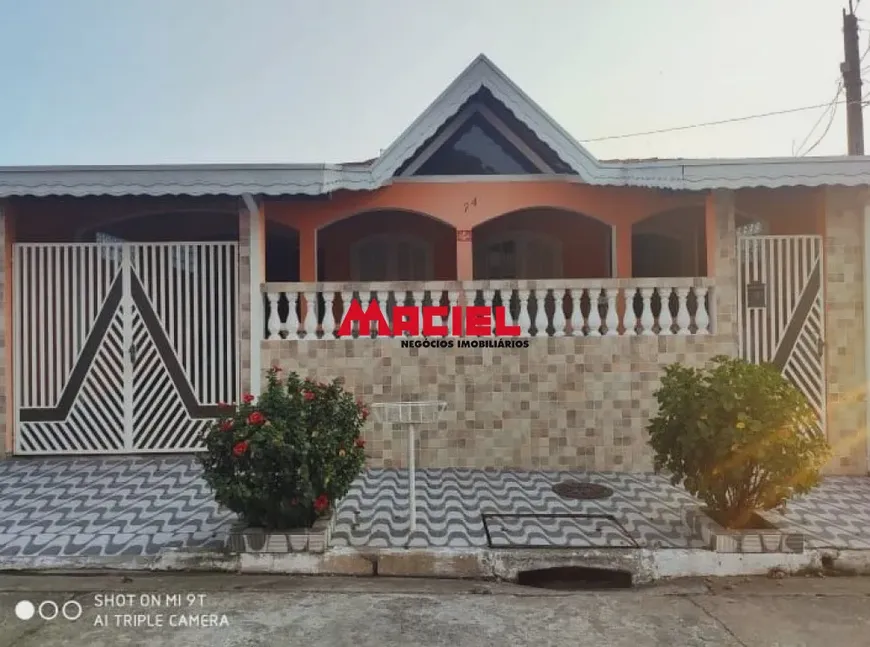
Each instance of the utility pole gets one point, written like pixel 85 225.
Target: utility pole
pixel 851 70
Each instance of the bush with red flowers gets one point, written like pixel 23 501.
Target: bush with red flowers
pixel 284 459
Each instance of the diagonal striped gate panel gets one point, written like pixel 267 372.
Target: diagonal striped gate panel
pixel 781 310
pixel 122 348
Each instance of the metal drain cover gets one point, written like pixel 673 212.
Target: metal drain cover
pixel 582 490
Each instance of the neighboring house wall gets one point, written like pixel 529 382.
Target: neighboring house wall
pixel 846 336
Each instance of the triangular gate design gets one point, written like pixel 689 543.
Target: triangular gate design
pixel 123 348
pixel 781 315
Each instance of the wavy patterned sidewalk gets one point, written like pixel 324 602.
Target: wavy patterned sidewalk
pixel 92 507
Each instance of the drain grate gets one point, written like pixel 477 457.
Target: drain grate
pixel 582 490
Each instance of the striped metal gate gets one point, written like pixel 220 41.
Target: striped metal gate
pixel 122 347
pixel 781 312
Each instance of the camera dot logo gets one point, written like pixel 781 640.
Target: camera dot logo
pixel 48 610
pixel 24 610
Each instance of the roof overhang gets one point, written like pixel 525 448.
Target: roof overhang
pixel 319 179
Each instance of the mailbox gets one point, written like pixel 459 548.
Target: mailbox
pixel 756 295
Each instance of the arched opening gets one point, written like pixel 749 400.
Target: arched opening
pixel 542 243
pixel 387 246
pixel 670 244
pixel 282 253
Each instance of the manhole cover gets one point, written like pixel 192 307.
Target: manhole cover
pixel 582 490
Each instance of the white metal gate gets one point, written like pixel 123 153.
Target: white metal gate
pixel 122 347
pixel 781 312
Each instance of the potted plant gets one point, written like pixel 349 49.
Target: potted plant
pixel 738 436
pixel 283 460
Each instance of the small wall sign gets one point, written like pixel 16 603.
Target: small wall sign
pixel 756 295
pixel 463 235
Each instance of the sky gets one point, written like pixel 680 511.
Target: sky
pixel 299 81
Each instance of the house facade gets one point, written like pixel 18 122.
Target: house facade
pixel 137 299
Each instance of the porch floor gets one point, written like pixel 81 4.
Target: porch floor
pixel 146 505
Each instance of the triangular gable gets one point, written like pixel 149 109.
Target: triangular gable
pixel 483 138
pixel 482 74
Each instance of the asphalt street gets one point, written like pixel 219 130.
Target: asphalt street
pixel 113 610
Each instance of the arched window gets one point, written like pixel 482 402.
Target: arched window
pixel 519 255
pixel 391 257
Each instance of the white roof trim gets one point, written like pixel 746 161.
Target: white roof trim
pixel 318 179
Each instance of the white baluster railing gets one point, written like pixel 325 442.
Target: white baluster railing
pixel 629 318
pixel 541 313
pixel 576 312
pixel 683 318
pixel 524 321
pixel 666 320
pixel 328 324
pixel 419 297
pixel 273 323
pixel 647 321
pixel 309 325
pixel 560 296
pixel 595 312
pixel 291 325
pixel 611 306
pixel 611 319
pixel 702 317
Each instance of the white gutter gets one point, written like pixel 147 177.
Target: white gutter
pixel 256 294
pixel 866 278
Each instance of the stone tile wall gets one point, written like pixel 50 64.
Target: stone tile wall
pixel 845 334
pixel 566 402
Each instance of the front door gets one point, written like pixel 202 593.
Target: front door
pixel 122 347
pixel 781 310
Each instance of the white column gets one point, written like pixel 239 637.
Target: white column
pixel 257 262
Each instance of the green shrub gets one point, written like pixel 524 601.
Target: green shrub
pixel 282 460
pixel 737 436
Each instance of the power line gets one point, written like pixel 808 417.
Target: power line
pixel 825 132
pixel 721 122
pixel 832 109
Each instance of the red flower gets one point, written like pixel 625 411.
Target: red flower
pixel 248 398
pixel 308 395
pixel 276 369
pixel 226 425
pixel 321 503
pixel 364 413
pixel 240 448
pixel 360 442
pixel 224 405
pixel 256 418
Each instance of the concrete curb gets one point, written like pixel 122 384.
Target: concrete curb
pixel 645 565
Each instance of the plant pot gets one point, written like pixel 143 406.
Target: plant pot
pixel 245 539
pixel 772 539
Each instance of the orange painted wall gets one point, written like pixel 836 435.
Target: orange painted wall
pixel 465 205
pixel 787 211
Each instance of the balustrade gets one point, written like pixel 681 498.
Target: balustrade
pixel 556 308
